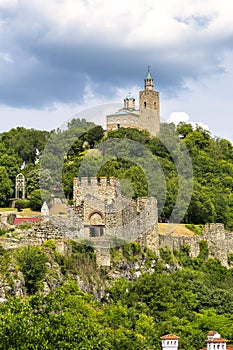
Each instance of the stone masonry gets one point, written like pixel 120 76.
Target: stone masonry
pixel 102 213
pixel 148 115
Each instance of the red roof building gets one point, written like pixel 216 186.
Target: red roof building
pixel 216 342
pixel 18 220
pixel 170 342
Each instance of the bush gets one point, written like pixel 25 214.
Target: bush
pixel 50 244
pixel 2 231
pixel 25 225
pixel 131 250
pixel 204 250
pixel 166 255
pixel 230 259
pixel 36 201
pixel 22 204
pixel 197 229
pixel 2 250
pixel 32 264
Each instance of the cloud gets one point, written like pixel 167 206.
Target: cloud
pixel 107 45
pixel 6 57
pixel 177 117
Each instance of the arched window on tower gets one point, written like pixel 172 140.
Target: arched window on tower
pixel 144 104
pixel 154 105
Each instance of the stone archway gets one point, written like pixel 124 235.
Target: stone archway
pixel 96 224
pixel 96 218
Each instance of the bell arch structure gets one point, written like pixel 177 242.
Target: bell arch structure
pixel 20 186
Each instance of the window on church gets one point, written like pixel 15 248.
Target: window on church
pixel 154 104
pixel 144 104
pixel 92 232
pixel 118 126
pixel 101 231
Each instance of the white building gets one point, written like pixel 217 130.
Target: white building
pixel 170 342
pixel 215 342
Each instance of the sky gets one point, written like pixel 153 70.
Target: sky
pixel 60 57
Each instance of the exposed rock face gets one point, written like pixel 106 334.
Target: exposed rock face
pixel 12 282
pixel 12 285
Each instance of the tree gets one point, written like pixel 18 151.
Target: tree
pixel 184 129
pixel 32 263
pixel 36 199
pixel 6 184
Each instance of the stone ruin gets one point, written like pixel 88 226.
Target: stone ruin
pixel 102 217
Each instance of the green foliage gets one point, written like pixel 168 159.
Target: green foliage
pixel 32 263
pixel 204 251
pixel 2 232
pixel 230 259
pixel 81 260
pixel 166 255
pixel 36 199
pixel 50 243
pixel 2 250
pixel 197 229
pixel 22 204
pixel 212 199
pixel 184 129
pixel 187 301
pixel 24 225
pixel 131 251
pixel 183 256
pixel 25 143
pixel 6 189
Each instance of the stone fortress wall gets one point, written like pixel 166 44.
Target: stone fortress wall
pixel 219 240
pixel 102 212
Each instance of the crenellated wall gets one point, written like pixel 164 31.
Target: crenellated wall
pixel 219 241
pixel 101 215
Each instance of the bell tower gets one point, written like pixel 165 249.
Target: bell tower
pixel 149 118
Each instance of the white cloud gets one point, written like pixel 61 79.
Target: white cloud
pixel 6 4
pixel 202 125
pixel 6 57
pixel 177 117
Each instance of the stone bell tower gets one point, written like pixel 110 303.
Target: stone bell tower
pixel 149 117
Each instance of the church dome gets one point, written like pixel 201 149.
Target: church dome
pixel 129 97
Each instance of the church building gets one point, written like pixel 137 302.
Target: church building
pixel 147 117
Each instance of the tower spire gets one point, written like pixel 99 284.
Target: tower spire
pixel 149 81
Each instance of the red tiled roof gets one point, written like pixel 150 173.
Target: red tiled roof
pixel 169 337
pixel 216 340
pixel 18 220
pixel 228 347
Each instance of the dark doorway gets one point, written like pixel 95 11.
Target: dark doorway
pixel 96 231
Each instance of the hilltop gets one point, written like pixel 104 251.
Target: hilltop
pixel 211 159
